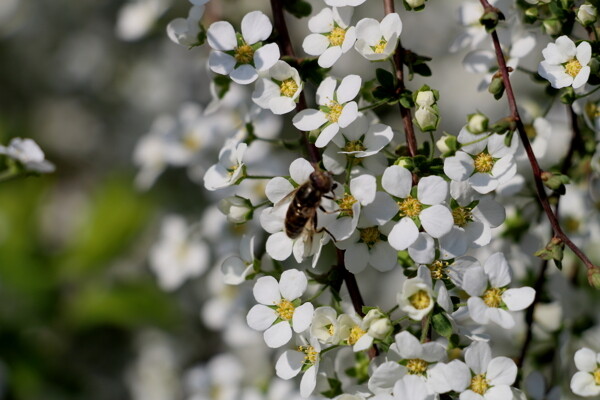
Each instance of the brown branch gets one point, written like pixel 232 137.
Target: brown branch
pixel 537 171
pixel 409 130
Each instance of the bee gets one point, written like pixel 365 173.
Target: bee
pixel 307 198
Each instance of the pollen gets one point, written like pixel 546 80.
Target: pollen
pixel 354 145
pixel 335 110
pixel 420 300
pixel 462 216
pixel 231 171
pixel 331 329
pixel 346 204
pixel 285 309
pixel 572 67
pixel 437 269
pixel 493 297
pixel 596 375
pixel 410 207
pixel 310 354
pixel 479 384
pixel 369 236
pixel 337 36
pixel 416 366
pixel 288 88
pixel 244 54
pixel 484 163
pixel 355 333
pixel 380 47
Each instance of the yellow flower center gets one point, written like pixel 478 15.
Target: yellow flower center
pixel 285 309
pixel 346 205
pixel 420 300
pixel 493 297
pixel 354 145
pixel 331 329
pixel 191 142
pixel 369 236
pixel 380 47
pixel 335 110
pixel 288 88
pixel 572 67
pixel 437 269
pixel 410 207
pixel 310 354
pixel 244 54
pixel 462 216
pixel 355 333
pixel 484 163
pixel 530 131
pixel 232 170
pixel 479 384
pixel 416 366
pixel 596 375
pixel 337 36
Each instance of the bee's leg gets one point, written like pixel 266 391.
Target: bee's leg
pixel 329 197
pixel 327 212
pixel 323 229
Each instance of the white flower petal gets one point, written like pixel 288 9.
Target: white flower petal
pixel 432 190
pixel 397 181
pixel 260 317
pixel 278 335
pixel 279 246
pixel 300 170
pixel 327 134
pixel 383 257
pixel 501 371
pixel 349 114
pixel 330 56
pixel 315 44
pixel 289 364
pixel 585 360
pixel 478 356
pixel 356 257
pixel 266 56
pixel 483 183
pixel 292 284
pixel 302 318
pixel 221 63
pixel 282 105
pixel 256 27
pixel 583 384
pixel 221 36
pixel 322 22
pixel 437 220
pixel 266 290
pixel 244 74
pixel 309 119
pixel 325 91
pixel 363 188
pixel 518 299
pixel 498 270
pixel 308 381
pixel 404 234
pixel 277 188
pixel 423 249
pixel 385 376
pixel 368 30
pixel 348 89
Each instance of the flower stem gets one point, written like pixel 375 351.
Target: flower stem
pixel 537 171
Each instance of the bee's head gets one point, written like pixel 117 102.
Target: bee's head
pixel 321 180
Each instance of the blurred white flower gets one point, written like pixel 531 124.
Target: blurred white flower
pixel 136 18
pixel 229 169
pixel 236 268
pixel 179 254
pixel 28 154
pixel 185 31
pixel 586 381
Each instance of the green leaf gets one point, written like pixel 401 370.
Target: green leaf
pixel 442 325
pixel 385 78
pixel 223 82
pixel 298 8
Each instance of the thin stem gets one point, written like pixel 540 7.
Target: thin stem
pixel 581 96
pixel 409 130
pixel 8 175
pixel 432 151
pixel 537 171
pixel 258 177
pixel 426 323
pixel 476 140
pixel 373 105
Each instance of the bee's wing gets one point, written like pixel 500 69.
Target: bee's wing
pixel 287 198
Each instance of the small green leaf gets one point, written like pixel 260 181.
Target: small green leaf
pixel 385 78
pixel 442 325
pixel 298 8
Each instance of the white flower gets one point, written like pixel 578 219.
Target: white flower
pixel 178 255
pixel 490 298
pixel 375 40
pixel 336 108
pixel 236 268
pixel 230 168
pixel 331 35
pixel 327 327
pixel 280 91
pixel 28 153
pixel 413 388
pixel 566 65
pixel 426 207
pixel 586 381
pixel 587 14
pixel 368 246
pixel 238 209
pixel 305 358
pixel 484 162
pixel 490 377
pixel 184 31
pixel 377 324
pixel 137 17
pixel 243 58
pixel 416 298
pixel 280 307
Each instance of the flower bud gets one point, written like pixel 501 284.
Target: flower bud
pixel 425 98
pixel 415 3
pixel 587 14
pixel 594 277
pixel 477 123
pixel 552 26
pixel 238 209
pixel 496 87
pixel 426 118
pixel 377 324
pixel 442 144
